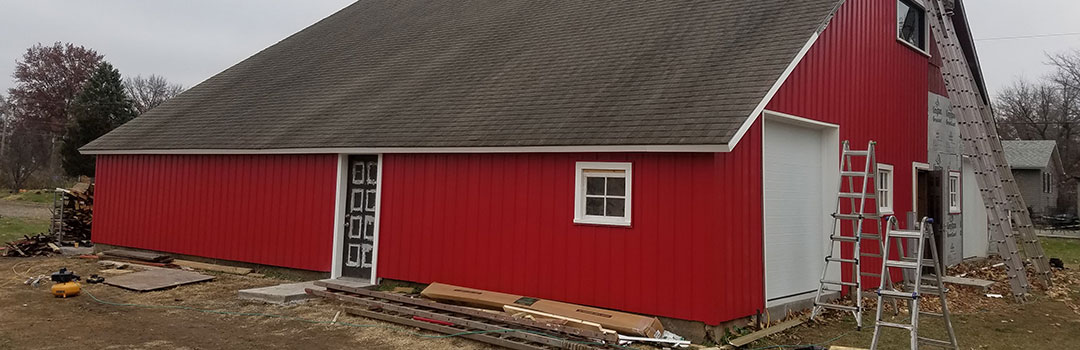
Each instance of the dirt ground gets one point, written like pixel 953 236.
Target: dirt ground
pixel 1049 320
pixel 31 318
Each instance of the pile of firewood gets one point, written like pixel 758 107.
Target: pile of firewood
pixel 40 244
pixel 77 212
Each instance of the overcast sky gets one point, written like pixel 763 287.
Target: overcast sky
pixel 187 41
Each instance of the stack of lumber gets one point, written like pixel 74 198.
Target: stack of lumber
pixel 76 212
pixel 137 256
pixel 31 246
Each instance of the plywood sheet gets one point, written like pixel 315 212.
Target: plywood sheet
pixel 149 280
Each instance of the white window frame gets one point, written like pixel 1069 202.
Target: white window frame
pixel 579 193
pixel 926 28
pixel 953 190
pixel 885 207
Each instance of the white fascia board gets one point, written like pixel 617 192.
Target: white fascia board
pixel 383 150
pixel 769 95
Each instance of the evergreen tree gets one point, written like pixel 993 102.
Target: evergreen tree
pixel 100 107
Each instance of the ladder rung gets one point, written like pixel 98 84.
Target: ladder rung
pixel 904 234
pixel 894 325
pixel 870 255
pixel 870 274
pixel 928 313
pixel 943 343
pixel 849 261
pixel 843 238
pixel 902 264
pixel 872 236
pixel 856 195
pixel 856 216
pixel 856 173
pixel 856 153
pixel 840 283
pixel 838 307
pixel 897 294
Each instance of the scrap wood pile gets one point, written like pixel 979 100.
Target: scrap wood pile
pixel 75 210
pixel 36 245
pixel 501 319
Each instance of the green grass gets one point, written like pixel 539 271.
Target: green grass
pixel 14 228
pixel 1066 249
pixel 34 196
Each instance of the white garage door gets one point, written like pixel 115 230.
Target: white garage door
pixel 795 242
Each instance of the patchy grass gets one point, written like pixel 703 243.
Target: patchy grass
pixel 1066 249
pixel 15 228
pixel 33 196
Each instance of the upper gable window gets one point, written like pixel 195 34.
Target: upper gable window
pixel 911 23
pixel 602 193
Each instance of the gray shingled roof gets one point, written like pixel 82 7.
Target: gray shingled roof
pixel 440 73
pixel 1028 154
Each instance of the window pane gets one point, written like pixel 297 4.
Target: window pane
pixel 910 24
pixel 594 186
pixel 616 207
pixel 594 206
pixel 616 186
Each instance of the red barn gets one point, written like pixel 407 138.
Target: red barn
pixel 670 158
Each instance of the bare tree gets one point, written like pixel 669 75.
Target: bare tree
pixel 46 82
pixel 27 152
pixel 149 92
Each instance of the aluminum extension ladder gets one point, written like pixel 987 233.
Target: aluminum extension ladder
pixel 856 214
pixel 1005 208
pixel 913 291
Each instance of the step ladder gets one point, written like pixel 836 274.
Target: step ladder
pixel 1006 211
pixel 913 264
pixel 854 215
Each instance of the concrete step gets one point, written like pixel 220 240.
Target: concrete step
pixel 280 294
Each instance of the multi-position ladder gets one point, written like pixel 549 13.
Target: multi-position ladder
pixel 915 265
pixel 1005 208
pixel 861 185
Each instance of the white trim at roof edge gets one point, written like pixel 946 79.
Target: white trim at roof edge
pixel 381 150
pixel 772 92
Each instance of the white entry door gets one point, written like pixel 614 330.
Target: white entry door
pixel 795 209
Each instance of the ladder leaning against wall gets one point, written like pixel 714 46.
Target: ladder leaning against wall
pixel 1006 211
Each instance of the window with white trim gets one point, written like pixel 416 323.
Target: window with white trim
pixel 885 188
pixel 954 192
pixel 911 25
pixel 1048 182
pixel 602 193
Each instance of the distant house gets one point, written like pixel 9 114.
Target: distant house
pixel 1037 168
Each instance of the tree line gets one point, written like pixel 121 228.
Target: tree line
pixel 64 97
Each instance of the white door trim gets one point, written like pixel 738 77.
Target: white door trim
pixel 378 219
pixel 830 183
pixel 339 216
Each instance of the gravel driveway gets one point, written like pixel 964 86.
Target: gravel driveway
pixel 24 209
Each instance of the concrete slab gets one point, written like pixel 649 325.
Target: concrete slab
pixel 76 250
pixel 280 294
pixel 964 281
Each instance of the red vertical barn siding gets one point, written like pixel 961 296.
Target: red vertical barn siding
pixel 857 75
pixel 266 209
pixel 505 222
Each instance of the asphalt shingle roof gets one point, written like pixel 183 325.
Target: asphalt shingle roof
pixel 498 73
pixel 1028 154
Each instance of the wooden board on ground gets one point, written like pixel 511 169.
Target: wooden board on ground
pixel 779 327
pixel 212 267
pixel 139 255
pixel 145 281
pixel 964 281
